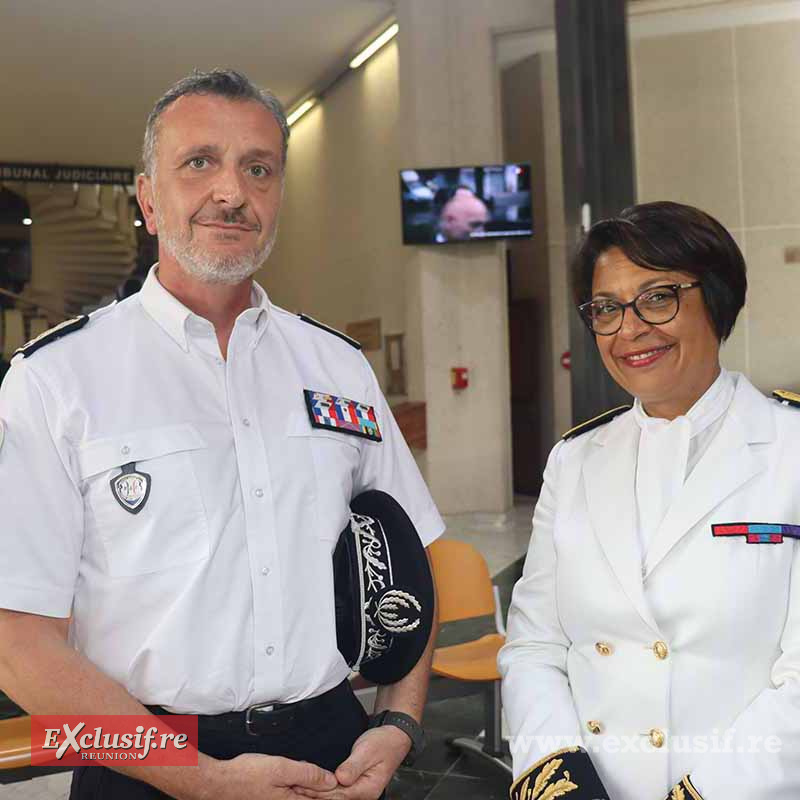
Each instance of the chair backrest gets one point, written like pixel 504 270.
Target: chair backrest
pixel 463 584
pixel 15 743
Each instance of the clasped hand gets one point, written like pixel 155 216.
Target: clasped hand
pixel 375 757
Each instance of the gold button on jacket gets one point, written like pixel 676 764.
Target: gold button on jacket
pixel 594 726
pixel 661 650
pixel 604 648
pixel 657 737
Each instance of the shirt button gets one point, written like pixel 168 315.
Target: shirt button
pixel 125 450
pixel 259 493
pixel 265 570
pixel 246 422
pixel 269 650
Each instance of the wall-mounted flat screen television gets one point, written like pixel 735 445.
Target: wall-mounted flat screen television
pixel 443 205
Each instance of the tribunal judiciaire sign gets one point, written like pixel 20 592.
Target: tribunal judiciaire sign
pixel 66 173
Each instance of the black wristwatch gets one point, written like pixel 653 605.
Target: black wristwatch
pixel 408 725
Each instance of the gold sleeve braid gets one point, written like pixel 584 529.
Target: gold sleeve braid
pixel 564 773
pixel 684 790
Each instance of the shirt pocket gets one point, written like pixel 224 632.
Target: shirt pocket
pixel 171 528
pixel 335 458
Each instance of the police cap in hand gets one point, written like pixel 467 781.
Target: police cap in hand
pixel 384 590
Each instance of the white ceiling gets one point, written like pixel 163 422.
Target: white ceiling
pixel 78 77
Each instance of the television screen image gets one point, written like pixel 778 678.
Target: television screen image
pixel 466 204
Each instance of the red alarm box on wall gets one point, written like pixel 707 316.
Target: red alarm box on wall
pixel 459 377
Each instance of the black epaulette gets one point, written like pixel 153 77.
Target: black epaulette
pixel 316 323
pixel 62 329
pixel 786 397
pixel 595 422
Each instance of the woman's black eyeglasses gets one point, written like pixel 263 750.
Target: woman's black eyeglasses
pixel 655 306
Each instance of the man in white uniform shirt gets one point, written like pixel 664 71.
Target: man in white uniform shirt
pixel 170 504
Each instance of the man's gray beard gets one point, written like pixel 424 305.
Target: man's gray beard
pixel 208 268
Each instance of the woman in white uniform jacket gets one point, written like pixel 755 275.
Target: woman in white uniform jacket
pixel 654 637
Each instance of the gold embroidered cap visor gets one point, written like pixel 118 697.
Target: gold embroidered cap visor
pixel 383 590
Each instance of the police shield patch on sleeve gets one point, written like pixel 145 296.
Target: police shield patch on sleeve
pixel 131 488
pixel 329 412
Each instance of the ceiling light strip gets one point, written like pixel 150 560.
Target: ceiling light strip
pixel 301 109
pixel 375 45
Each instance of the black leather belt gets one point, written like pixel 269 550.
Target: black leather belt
pixel 266 719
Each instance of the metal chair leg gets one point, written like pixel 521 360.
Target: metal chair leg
pixel 493 708
pixel 491 751
pixel 472 747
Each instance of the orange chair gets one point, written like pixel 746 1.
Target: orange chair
pixel 464 591
pixel 15 743
pixel 16 752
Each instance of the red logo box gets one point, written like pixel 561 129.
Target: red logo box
pixel 75 741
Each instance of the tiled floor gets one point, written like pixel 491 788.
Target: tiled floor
pixel 501 538
pixel 50 787
pixel 440 774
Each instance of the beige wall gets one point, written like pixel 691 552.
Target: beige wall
pixel 717 126
pixel 339 254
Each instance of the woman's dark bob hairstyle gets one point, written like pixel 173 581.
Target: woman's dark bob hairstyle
pixel 671 236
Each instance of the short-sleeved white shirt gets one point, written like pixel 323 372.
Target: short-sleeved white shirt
pixel 218 593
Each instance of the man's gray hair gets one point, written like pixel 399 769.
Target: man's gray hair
pixel 226 83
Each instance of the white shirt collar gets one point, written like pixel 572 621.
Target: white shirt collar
pixel 172 315
pixel 707 410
